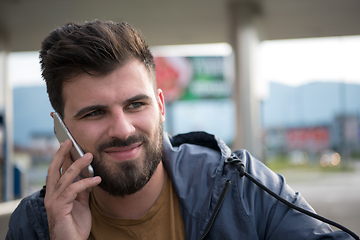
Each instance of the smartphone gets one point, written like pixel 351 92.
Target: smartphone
pixel 62 133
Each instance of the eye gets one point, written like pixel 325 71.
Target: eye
pixel 136 105
pixel 94 113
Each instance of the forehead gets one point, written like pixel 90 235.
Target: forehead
pixel 124 82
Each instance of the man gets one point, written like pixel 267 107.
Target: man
pixel 100 77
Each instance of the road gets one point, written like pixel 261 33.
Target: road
pixel 335 196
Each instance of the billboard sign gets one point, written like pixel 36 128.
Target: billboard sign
pixel 189 78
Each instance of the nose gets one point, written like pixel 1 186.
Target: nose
pixel 120 125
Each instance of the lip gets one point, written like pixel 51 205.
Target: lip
pixel 124 153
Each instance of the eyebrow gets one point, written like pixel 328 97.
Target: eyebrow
pixel 138 97
pixel 99 106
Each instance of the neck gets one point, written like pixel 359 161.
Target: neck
pixel 133 206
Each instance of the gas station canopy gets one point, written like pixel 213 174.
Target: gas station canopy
pixel 24 23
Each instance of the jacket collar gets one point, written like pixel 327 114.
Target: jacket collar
pixel 195 164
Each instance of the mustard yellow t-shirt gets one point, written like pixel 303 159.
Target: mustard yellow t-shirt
pixel 163 221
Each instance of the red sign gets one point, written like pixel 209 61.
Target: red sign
pixel 172 76
pixel 309 139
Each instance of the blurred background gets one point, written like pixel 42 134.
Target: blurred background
pixel 277 77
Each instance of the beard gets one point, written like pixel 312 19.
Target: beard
pixel 125 178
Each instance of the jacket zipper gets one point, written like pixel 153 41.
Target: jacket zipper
pixel 217 209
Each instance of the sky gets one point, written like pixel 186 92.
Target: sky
pixel 291 62
pixel 300 61
pixel 24 69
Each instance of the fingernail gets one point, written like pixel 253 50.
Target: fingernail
pixel 96 178
pixel 86 155
pixel 63 143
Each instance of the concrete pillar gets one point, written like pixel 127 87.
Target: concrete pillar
pixel 6 110
pixel 245 22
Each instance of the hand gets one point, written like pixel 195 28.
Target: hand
pixel 66 201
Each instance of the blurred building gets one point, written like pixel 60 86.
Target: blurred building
pixel 312 118
pixel 43 147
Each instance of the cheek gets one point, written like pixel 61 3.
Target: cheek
pixel 149 123
pixel 88 135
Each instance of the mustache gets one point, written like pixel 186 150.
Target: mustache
pixel 117 142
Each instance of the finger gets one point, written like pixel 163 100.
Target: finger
pixel 66 164
pixel 75 192
pixel 78 190
pixel 54 170
pixel 71 174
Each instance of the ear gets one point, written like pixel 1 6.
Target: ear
pixel 161 103
pixel 52 114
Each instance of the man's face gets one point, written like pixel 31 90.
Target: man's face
pixel 118 118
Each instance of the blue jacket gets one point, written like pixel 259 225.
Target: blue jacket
pixel 216 203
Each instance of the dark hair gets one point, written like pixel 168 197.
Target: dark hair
pixel 95 48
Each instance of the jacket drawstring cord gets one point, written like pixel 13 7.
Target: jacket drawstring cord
pixel 217 209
